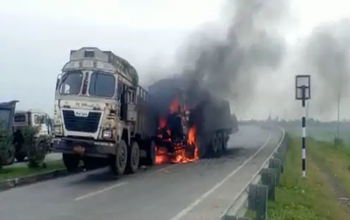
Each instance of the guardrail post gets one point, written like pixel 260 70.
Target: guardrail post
pixel 268 177
pixel 276 164
pixel 257 200
pixel 281 157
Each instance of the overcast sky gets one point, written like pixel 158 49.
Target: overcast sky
pixel 37 35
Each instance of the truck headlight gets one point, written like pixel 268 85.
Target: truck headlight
pixel 107 134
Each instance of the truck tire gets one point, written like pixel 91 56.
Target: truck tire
pixel 133 158
pixel 150 159
pixel 219 143
pixel 118 161
pixel 224 144
pixel 202 148
pixel 71 162
pixel 214 148
pixel 10 155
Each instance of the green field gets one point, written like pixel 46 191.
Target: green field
pixel 319 130
pixel 315 197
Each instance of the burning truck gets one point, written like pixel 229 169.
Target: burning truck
pixel 102 116
pixel 192 123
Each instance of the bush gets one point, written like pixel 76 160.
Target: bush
pixel 5 144
pixel 36 146
pixel 338 141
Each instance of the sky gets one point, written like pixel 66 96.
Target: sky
pixel 37 35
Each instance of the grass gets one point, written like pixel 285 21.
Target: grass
pixel 11 172
pixel 336 159
pixel 310 198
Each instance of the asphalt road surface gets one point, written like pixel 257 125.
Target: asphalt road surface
pixel 193 191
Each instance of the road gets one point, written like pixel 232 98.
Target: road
pixel 193 191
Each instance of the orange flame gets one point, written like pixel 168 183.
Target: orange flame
pixel 161 156
pixel 174 106
pixel 182 154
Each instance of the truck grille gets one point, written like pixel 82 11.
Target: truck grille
pixel 81 124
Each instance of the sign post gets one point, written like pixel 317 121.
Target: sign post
pixel 303 93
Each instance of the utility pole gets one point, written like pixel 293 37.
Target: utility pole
pixel 338 116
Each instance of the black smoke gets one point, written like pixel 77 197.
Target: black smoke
pixel 228 59
pixel 231 64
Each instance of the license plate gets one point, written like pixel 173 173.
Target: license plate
pixel 78 149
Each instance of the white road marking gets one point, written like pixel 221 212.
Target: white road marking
pixel 185 211
pixel 100 191
pixel 167 168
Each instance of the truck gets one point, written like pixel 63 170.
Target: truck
pixel 101 114
pixel 7 149
pixel 193 123
pixel 12 123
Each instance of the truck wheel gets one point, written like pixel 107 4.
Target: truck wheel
pixel 215 147
pixel 118 162
pixel 224 144
pixel 151 154
pixel 201 149
pixel 71 162
pixel 133 158
pixel 219 144
pixel 10 155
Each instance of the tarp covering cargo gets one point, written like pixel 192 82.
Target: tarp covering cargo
pixel 211 114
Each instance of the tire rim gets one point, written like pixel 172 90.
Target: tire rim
pixel 122 157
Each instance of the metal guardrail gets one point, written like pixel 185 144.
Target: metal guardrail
pixel 261 188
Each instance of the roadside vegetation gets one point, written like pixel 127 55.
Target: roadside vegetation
pixel 316 197
pixel 335 159
pixel 11 172
pixel 34 147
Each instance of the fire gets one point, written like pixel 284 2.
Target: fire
pixel 174 106
pixel 161 155
pixel 182 151
pixel 182 156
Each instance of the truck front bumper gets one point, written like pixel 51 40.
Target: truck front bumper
pixel 87 147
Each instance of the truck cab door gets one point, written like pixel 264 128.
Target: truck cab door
pixel 131 106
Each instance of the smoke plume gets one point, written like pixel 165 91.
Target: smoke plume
pixel 326 55
pixel 230 62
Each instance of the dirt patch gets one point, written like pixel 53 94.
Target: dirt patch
pixel 340 191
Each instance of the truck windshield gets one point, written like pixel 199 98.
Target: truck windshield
pixel 102 84
pixel 71 83
pixel 20 118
